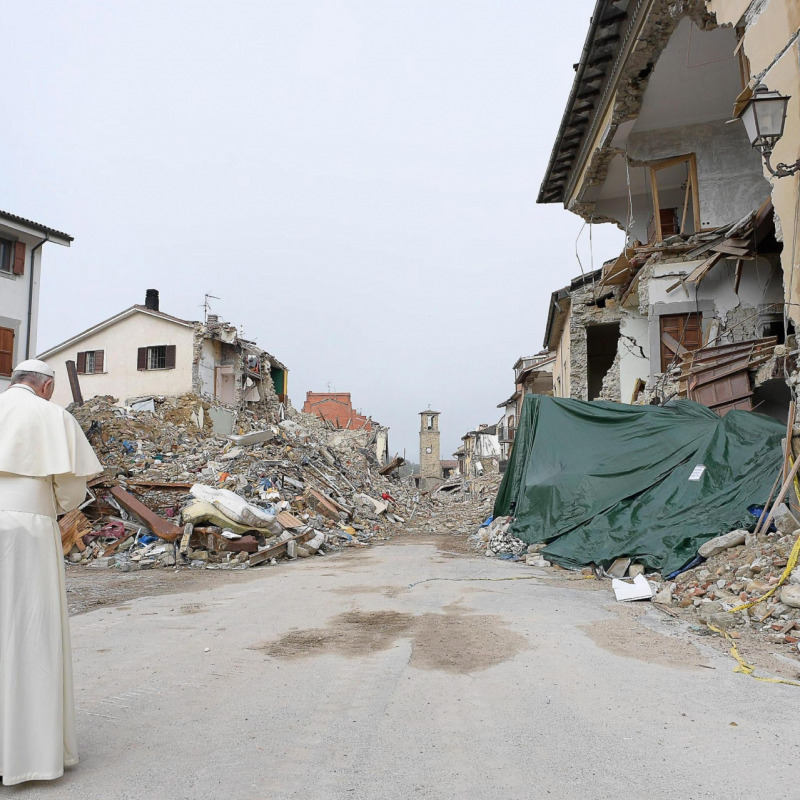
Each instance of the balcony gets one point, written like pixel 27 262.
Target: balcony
pixel 506 434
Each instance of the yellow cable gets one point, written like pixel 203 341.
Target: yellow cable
pixel 744 668
pixel 790 565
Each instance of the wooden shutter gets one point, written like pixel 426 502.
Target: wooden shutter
pixel 19 258
pixel 685 330
pixel 141 358
pixel 170 361
pixel 98 360
pixel 6 351
pixel 81 363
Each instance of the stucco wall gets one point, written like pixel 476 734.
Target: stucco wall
pixel 14 293
pixel 561 366
pixel 121 342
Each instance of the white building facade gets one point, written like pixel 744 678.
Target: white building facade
pixel 21 244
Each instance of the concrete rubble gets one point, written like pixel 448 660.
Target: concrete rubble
pixel 176 494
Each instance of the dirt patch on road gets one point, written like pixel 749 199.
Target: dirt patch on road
pixel 625 636
pixel 455 641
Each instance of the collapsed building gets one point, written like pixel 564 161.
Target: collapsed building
pixel 336 410
pixel 141 353
pixel 644 143
pixel 479 453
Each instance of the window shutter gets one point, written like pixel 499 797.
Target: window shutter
pixel 170 361
pixel 141 358
pixel 19 258
pixel 98 360
pixel 6 351
pixel 81 363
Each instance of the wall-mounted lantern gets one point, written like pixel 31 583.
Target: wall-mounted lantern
pixel 764 116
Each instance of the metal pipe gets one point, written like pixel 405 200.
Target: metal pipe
pixel 30 296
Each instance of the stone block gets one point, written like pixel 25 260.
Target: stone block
pixel 721 543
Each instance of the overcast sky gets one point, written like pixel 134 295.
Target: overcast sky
pixel 355 179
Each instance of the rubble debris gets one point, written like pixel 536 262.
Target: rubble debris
pixel 175 493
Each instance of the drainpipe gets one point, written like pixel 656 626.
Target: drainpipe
pixel 30 296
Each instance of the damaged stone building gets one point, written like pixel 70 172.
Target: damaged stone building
pixel 142 352
pixel 532 375
pixel 694 304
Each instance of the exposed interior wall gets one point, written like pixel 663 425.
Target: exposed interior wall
pixel 634 355
pixel 729 179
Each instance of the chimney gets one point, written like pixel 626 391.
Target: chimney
pixel 151 299
pixel 212 319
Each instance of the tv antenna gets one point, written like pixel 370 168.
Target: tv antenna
pixel 207 306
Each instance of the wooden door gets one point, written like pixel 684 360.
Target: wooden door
pixel 681 332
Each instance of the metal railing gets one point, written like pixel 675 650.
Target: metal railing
pixel 506 433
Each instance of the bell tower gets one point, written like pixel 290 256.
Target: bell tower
pixel 430 467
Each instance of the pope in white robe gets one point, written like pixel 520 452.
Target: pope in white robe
pixel 45 461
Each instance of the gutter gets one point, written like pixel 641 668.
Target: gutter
pixel 30 295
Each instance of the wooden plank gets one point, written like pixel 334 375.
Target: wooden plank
pixel 699 272
pixel 288 521
pixel 160 527
pixel 161 485
pixel 729 250
pixel 779 499
pixel 73 526
pixel 789 431
pixel 74 383
pixel 738 277
pixel 673 345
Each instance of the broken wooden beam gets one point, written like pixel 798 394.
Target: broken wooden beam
pixel 160 527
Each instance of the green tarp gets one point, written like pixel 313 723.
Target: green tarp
pixel 602 480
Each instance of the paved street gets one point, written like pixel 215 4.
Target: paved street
pixel 333 678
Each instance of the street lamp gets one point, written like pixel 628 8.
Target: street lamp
pixel 764 116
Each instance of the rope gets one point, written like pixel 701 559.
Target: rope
pixel 748 669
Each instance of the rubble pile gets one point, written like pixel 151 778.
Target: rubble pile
pixel 741 568
pixel 457 506
pixel 176 493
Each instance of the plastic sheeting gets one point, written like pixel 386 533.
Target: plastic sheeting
pixel 602 480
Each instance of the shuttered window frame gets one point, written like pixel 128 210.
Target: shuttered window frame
pixel 143 358
pixel 86 356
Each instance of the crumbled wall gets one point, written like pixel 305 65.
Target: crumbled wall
pixel 581 317
pixel 611 383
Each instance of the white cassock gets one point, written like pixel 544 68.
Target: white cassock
pixel 45 461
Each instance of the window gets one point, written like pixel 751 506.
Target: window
pixel 6 249
pixel 12 257
pixel 676 207
pixel 90 362
pixel 156 357
pixel 6 351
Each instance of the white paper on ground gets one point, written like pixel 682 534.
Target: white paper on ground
pixel 640 589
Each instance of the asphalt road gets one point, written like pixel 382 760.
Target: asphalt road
pixel 333 678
